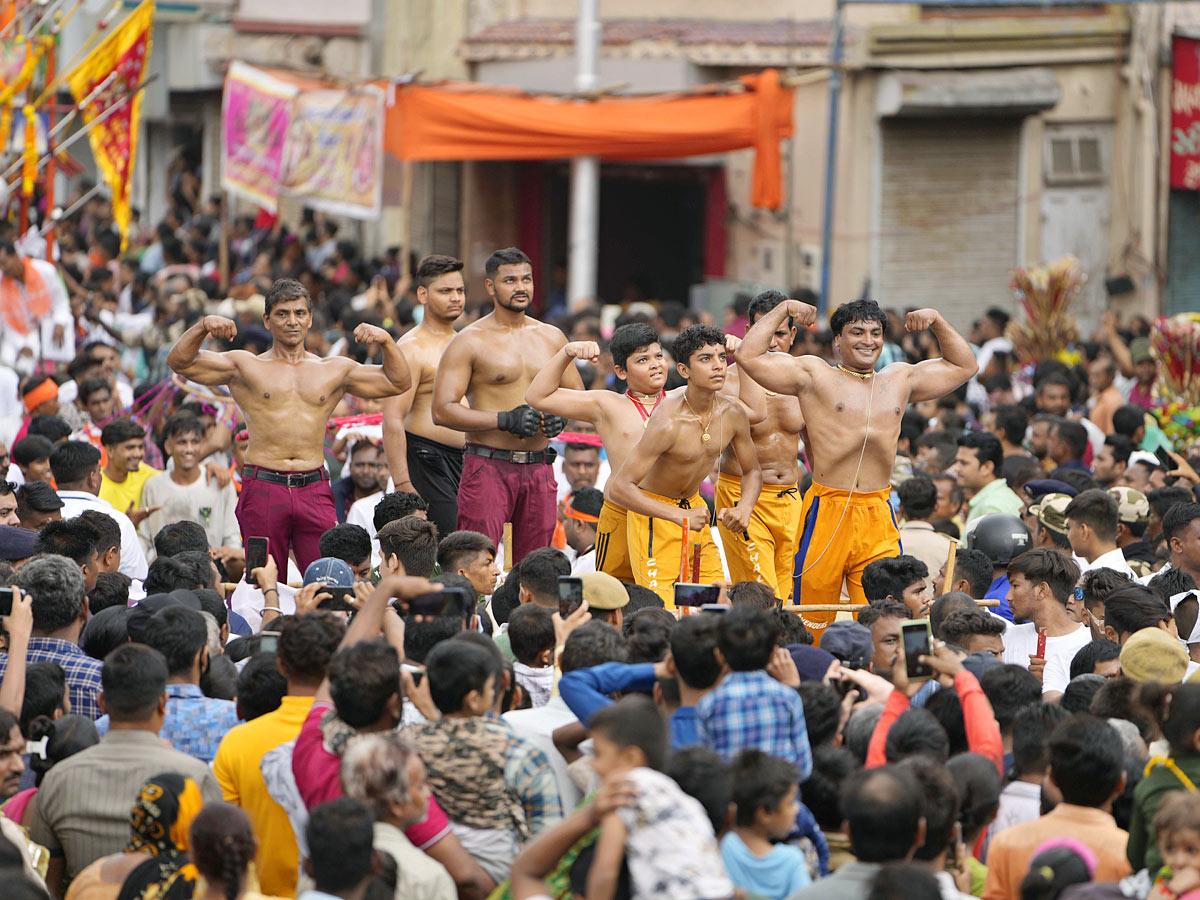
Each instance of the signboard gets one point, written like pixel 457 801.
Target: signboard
pixel 1185 113
pixel 255 113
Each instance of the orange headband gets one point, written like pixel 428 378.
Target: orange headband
pixel 572 513
pixel 47 390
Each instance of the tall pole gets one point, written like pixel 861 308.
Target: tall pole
pixel 584 231
pixel 831 142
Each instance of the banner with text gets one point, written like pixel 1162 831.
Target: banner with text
pixel 1185 114
pixel 333 158
pixel 255 111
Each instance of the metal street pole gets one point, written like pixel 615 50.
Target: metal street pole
pixel 583 238
pixel 831 143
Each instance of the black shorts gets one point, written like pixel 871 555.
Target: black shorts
pixel 435 471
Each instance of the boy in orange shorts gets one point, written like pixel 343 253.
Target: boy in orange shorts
pixel 659 482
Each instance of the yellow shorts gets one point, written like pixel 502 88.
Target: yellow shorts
pixel 612 542
pixel 654 549
pixel 841 536
pixel 769 553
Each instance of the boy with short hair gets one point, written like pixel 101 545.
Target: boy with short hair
pixel 664 836
pixel 532 638
pixel 764 791
pixel 750 709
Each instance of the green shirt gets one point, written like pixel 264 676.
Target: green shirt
pixel 994 497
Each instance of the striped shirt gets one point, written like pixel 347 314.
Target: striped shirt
pixel 83 672
pixel 82 809
pixel 753 711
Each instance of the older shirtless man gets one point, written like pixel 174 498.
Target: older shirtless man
pixel 639 361
pixel 287 395
pixel 852 421
pixel 507 474
pixel 426 458
pixel 765 551
pixel 659 482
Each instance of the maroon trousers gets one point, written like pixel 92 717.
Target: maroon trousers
pixel 291 518
pixel 495 491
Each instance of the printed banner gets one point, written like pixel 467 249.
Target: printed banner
pixel 114 141
pixel 1185 114
pixel 334 151
pixel 255 112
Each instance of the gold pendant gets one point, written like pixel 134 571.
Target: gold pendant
pixel 706 437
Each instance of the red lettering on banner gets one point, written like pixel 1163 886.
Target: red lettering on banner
pixel 1185 114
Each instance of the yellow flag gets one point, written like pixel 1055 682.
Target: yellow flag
pixel 114 141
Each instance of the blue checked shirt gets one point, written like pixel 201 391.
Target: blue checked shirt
pixel 194 724
pixel 751 710
pixel 83 672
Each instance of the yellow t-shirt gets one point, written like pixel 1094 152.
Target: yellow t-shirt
pixel 121 494
pixel 238 771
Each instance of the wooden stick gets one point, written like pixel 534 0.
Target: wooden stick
pixel 508 550
pixel 683 552
pixel 857 607
pixel 948 580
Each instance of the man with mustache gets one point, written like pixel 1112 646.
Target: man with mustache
pixel 427 458
pixel 507 473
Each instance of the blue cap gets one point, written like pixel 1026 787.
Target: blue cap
pixel 331 571
pixel 1039 487
pixel 849 642
pixel 16 543
pixel 811 662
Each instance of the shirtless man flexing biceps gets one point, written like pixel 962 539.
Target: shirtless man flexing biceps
pixel 659 482
pixel 424 457
pixel 287 395
pixel 852 418
pixel 507 474
pixel 639 361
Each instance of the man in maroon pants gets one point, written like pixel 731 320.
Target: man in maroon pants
pixel 506 474
pixel 286 395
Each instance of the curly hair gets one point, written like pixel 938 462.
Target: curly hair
pixel 693 338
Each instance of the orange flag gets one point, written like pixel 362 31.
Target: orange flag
pixel 114 141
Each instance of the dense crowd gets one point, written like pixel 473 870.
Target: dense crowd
pixel 182 716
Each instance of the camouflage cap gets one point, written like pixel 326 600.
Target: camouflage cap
pixel 1132 506
pixel 1052 511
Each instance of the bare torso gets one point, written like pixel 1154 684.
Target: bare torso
pixel 423 349
pixel 776 438
pixel 834 407
pixel 620 425
pixel 287 406
pixel 680 470
pixel 504 361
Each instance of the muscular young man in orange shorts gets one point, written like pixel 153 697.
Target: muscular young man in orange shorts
pixel 852 418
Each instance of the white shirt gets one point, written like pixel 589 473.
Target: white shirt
pixel 362 513
pixel 564 488
pixel 1113 559
pixel 584 563
pixel 133 559
pixel 39 340
pixel 70 391
pixel 1020 802
pixel 1020 642
pixel 537 726
pixel 247 601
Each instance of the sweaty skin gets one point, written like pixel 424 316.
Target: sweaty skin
pixel 672 458
pixel 493 361
pixel 835 403
pixel 424 346
pixel 287 394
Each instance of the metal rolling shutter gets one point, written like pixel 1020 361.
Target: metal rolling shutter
pixel 948 215
pixel 1183 253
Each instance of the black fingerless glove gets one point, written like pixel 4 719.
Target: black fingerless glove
pixel 552 426
pixel 523 421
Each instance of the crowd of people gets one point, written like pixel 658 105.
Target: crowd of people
pixel 351 585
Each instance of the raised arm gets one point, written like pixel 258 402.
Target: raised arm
pixel 738 518
pixel 623 485
pixel 742 389
pixel 778 372
pixel 395 438
pixel 204 366
pixel 935 378
pixel 450 385
pixel 546 391
pixel 377 382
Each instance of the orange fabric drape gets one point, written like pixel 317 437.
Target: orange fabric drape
pixel 461 121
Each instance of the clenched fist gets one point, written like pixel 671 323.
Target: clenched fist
pixel 803 314
pixel 920 319
pixel 371 334
pixel 588 351
pixel 220 327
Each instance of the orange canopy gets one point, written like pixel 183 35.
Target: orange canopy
pixel 469 121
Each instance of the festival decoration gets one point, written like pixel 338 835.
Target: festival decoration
pixel 1175 345
pixel 1046 293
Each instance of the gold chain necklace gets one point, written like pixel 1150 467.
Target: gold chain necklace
pixel 706 437
pixel 862 375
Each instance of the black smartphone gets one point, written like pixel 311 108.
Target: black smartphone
pixel 450 601
pixel 6 598
pixel 570 594
pixel 696 594
pixel 719 608
pixel 336 600
pixel 918 641
pixel 268 642
pixel 1164 457
pixel 256 555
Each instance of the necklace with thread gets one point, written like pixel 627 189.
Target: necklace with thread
pixel 706 437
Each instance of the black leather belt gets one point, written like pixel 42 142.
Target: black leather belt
pixel 287 479
pixel 513 456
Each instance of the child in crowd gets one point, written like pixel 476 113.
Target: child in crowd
pixel 764 791
pixel 665 836
pixel 532 638
pixel 1177 828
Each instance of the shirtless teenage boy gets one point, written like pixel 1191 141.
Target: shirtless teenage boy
pixel 766 550
pixel 620 419
pixel 659 482
pixel 425 458
pixel 287 395
pixel 852 422
pixel 507 474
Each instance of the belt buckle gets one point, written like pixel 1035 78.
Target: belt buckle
pixel 519 456
pixel 295 480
